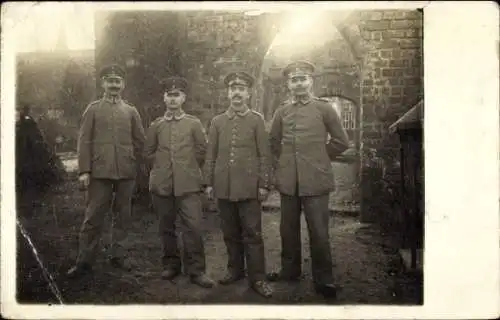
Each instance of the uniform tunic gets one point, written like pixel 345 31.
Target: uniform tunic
pixel 298 137
pixel 110 140
pixel 176 148
pixel 237 161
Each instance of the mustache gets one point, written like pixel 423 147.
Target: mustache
pixel 236 96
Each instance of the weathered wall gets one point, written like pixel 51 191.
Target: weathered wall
pixel 216 43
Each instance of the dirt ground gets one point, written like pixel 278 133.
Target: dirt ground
pixel 367 268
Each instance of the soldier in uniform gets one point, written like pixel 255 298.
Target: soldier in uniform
pixel 237 174
pixel 304 177
pixel 110 146
pixel 175 147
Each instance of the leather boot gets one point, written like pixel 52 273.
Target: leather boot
pixel 231 278
pixel 203 281
pixel 263 288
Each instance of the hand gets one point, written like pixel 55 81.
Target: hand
pixel 263 194
pixel 84 180
pixel 209 191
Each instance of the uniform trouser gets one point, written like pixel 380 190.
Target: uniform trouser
pixel 242 230
pixel 317 217
pixel 189 209
pixel 99 199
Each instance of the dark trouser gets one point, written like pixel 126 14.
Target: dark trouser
pixel 317 218
pixel 99 199
pixel 189 209
pixel 242 229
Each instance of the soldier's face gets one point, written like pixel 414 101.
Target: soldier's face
pixel 113 85
pixel 174 99
pixel 300 84
pixel 238 94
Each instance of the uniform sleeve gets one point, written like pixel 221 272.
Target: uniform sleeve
pixel 138 135
pixel 264 154
pixel 275 136
pixel 200 142
pixel 85 137
pixel 151 144
pixel 211 154
pixel 338 136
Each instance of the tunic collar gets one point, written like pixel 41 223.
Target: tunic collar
pixel 174 115
pixel 302 100
pixel 112 99
pixel 230 112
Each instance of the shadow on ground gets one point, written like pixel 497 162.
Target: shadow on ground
pixel 367 267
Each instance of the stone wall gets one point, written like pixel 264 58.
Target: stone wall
pixel 217 43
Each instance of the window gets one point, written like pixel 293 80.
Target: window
pixel 346 110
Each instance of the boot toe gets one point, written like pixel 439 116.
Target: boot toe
pixel 169 274
pixel 203 281
pixel 327 290
pixel 263 289
pixel 231 278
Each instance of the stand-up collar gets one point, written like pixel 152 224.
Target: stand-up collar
pixel 303 99
pixel 231 112
pixel 174 115
pixel 112 99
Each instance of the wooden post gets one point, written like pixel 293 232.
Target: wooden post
pixel 403 204
pixel 415 207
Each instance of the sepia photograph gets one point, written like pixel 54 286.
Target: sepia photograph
pixel 220 156
pixel 252 157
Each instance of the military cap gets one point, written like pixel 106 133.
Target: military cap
pixel 239 77
pixel 299 67
pixel 112 70
pixel 174 83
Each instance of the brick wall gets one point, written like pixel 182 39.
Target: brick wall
pixel 391 83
